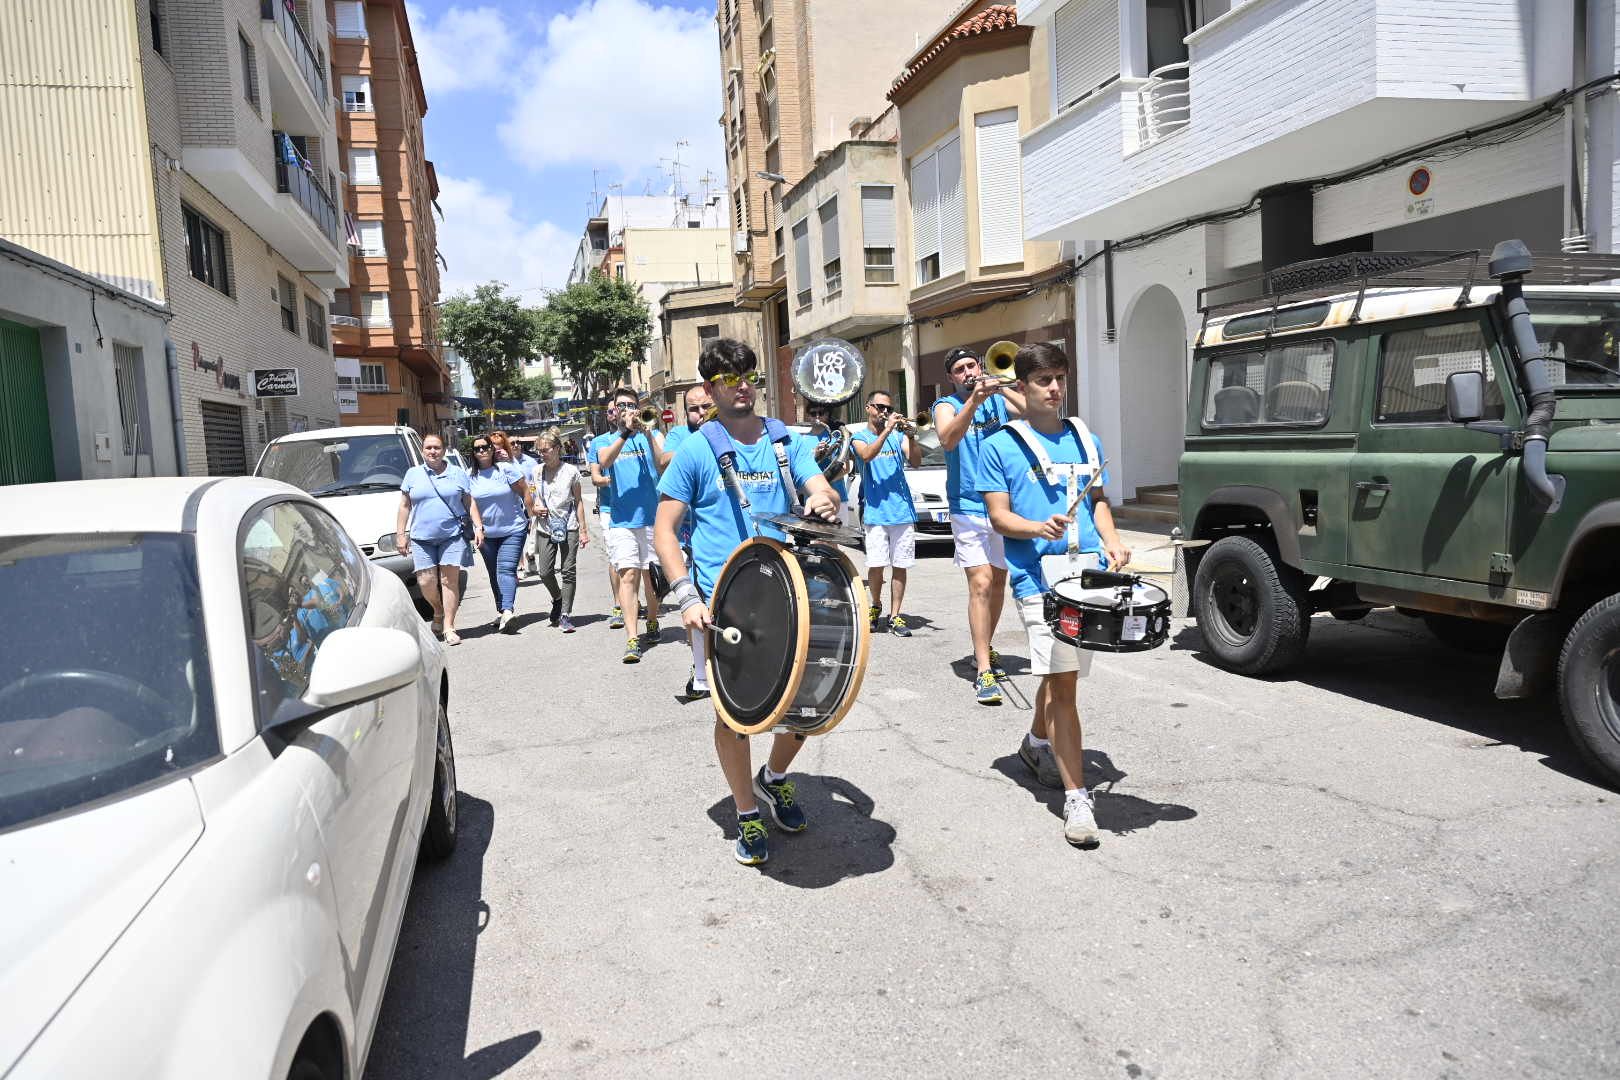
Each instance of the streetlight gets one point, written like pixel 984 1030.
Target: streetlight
pixel 773 177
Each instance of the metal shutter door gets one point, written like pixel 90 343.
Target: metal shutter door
pixel 924 208
pixel 26 452
pixel 952 210
pixel 1001 213
pixel 222 438
pixel 1085 36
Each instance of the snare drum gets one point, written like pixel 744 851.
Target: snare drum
pixel 1121 618
pixel 793 640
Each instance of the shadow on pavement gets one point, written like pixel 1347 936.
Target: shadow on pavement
pixel 968 671
pixel 1117 813
pixel 1392 662
pixel 844 840
pixel 422 1028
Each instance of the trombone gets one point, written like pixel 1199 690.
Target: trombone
pixel 998 363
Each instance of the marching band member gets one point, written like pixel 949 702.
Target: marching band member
pixel 1028 474
pixel 964 420
pixel 888 515
pixel 697 405
pixel 628 456
pixel 698 402
pixel 695 483
pixel 823 430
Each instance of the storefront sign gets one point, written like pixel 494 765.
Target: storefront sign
pixel 348 401
pixel 275 382
pixel 224 378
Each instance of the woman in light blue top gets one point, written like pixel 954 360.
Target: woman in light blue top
pixel 436 500
pixel 502 497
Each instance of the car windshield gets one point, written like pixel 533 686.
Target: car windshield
pixel 339 465
pixel 1580 338
pixel 104 681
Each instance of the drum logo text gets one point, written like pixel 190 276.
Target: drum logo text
pixel 1069 621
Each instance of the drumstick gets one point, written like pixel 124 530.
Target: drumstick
pixel 1075 505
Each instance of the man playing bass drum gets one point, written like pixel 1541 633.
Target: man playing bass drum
pixel 1029 472
pixel 693 483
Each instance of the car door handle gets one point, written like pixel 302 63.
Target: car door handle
pixel 1372 485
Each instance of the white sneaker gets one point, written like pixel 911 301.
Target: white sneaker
pixel 505 621
pixel 1080 820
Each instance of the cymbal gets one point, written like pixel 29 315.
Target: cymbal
pixel 1178 543
pixel 1132 568
pixel 812 528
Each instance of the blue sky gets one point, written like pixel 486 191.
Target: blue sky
pixel 526 98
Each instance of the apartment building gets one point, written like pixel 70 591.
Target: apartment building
pixel 385 323
pixel 798 76
pixel 1194 142
pixel 688 319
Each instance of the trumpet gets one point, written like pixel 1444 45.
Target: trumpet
pixel 913 425
pixel 648 417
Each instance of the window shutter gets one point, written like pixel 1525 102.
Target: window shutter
pixel 357 92
pixel 1085 35
pixel 363 167
pixel 829 230
pixel 1001 214
pixel 351 18
pixel 371 239
pixel 801 255
pixel 877 216
pixel 952 211
pixel 925 208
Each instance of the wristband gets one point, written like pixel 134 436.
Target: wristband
pixel 685 593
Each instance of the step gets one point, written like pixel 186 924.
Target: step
pixel 1154 489
pixel 1155 515
pixel 1149 497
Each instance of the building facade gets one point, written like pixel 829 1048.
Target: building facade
pixel 385 323
pixel 688 319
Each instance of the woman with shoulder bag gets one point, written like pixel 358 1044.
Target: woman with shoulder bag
pixel 560 528
pixel 437 502
pixel 502 497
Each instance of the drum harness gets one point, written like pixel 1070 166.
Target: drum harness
pixel 1069 474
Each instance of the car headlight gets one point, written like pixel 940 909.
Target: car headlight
pixel 385 544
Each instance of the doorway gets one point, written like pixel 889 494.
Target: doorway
pixel 26 449
pixel 1153 390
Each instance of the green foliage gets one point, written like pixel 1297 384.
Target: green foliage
pixel 595 329
pixel 492 332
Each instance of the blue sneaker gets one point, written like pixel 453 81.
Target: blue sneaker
pixel 988 693
pixel 898 627
pixel 753 842
pixel 778 797
pixel 995 667
pixel 616 618
pixel 632 651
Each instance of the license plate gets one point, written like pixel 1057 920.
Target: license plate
pixel 940 516
pixel 1135 628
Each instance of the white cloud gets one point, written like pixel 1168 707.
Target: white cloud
pixel 469 48
pixel 616 83
pixel 483 237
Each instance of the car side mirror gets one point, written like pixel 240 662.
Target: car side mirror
pixel 360 663
pixel 1465 397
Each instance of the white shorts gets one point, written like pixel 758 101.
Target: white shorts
pixel 1048 655
pixel 891 545
pixel 976 542
pixel 630 548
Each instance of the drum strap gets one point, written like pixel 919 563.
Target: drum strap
pixel 725 454
pixel 1070 477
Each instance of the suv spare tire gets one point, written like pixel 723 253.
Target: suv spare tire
pixel 1254 614
pixel 1589 686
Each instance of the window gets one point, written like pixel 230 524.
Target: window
pixel 154 12
pixel 371 239
pixel 302 579
pixel 801 261
pixel 250 72
pixel 878 233
pixel 315 322
pixel 363 167
pixel 374 309
pixel 351 18
pixel 356 93
pixel 706 332
pixel 289 304
pixel 129 378
pixel 618 271
pixel 939 233
pixel 737 208
pixel 1288 384
pixel 1001 196
pixel 1415 364
pixel 831 267
pixel 205 250
pixel 373 379
pixel 1085 48
pixel 1168 24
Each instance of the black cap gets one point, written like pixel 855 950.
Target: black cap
pixel 957 354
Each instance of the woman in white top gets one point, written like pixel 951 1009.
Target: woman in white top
pixel 559 525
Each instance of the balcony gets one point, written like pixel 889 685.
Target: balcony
pixel 1274 92
pixel 298 93
pixel 307 192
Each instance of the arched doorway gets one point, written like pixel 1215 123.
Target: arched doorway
pixel 1153 390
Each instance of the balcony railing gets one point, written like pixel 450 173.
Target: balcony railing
pixel 305 190
pixel 344 320
pixel 281 13
pixel 1163 106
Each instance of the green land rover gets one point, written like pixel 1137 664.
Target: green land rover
pixel 1438 432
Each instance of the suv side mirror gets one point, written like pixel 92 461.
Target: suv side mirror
pixel 1465 397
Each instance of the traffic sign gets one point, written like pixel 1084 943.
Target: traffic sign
pixel 669 416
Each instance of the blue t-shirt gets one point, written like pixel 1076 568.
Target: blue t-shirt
pixel 634 476
pixel 674 438
pixel 815 441
pixel 498 505
pixel 961 464
pixel 719 524
pixel 1005 464
pixel 884 492
pixel 431 518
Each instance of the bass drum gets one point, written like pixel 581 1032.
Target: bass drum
pixel 792 641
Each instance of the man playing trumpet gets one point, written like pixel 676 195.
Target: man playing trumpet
pixel 884 447
pixel 628 456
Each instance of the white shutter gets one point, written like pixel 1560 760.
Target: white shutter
pixel 1001 214
pixel 952 210
pixel 829 230
pixel 371 239
pixel 924 208
pixel 351 18
pixel 1085 37
pixel 801 255
pixel 374 307
pixel 877 216
pixel 363 167
pixel 357 93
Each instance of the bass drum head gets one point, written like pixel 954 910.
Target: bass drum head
pixel 835 661
pixel 760 593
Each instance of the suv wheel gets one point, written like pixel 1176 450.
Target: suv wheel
pixel 1253 613
pixel 1589 685
pixel 440 838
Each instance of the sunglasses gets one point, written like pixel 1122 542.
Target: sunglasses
pixel 881 408
pixel 481 448
pixel 732 379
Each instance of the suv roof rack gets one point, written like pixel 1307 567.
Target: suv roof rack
pixel 1357 272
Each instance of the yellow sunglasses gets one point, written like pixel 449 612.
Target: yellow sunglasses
pixel 732 380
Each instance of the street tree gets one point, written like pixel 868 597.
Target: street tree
pixel 492 332
pixel 595 329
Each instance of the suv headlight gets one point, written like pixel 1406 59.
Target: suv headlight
pixel 385 544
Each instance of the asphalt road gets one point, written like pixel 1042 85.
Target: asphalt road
pixel 1370 869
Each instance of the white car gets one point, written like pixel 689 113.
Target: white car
pixel 223 739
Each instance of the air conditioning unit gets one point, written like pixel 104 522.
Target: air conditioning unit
pixel 739 242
